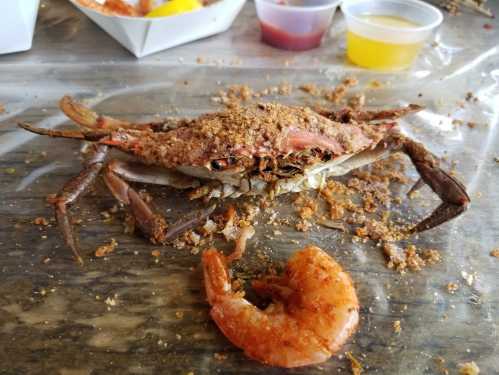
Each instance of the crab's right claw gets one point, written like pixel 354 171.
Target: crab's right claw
pixel 453 194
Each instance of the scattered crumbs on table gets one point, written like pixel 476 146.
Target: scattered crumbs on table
pixel 106 249
pixel 41 221
pixel 397 328
pixel 338 92
pixel 310 88
pixel 452 287
pixel 375 84
pixel 440 363
pixel 469 368
pixel 220 356
pixel 495 253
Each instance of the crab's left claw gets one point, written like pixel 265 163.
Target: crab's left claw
pixel 453 194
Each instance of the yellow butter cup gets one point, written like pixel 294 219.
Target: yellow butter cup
pixel 174 7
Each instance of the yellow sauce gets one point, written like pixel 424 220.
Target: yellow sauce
pixel 378 54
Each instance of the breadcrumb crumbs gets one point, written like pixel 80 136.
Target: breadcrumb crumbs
pixel 411 258
pixel 431 256
pixel 106 249
pixel 495 253
pixel 397 328
pixel 452 287
pixel 311 88
pixel 440 362
pixel 303 226
pixel 375 84
pixel 469 368
pixel 156 253
pixel 357 101
pixel 220 356
pixel 340 90
pixel 414 261
pixel 41 221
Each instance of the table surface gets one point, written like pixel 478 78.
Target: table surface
pixel 54 317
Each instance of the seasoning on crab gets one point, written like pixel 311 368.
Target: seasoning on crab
pixel 314 310
pixel 259 149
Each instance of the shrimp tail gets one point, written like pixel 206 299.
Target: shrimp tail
pixel 216 275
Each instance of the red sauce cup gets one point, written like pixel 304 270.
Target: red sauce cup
pixel 295 25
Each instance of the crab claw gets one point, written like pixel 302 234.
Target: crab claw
pixel 89 119
pixel 453 194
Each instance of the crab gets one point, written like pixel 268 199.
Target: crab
pixel 265 148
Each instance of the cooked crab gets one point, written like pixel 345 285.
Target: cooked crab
pixel 257 149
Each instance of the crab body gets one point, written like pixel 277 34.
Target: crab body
pixel 258 149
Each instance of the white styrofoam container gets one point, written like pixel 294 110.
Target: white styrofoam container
pixel 17 24
pixel 144 36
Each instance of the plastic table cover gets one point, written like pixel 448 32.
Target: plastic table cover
pixel 55 318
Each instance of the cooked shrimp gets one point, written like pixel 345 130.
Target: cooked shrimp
pixel 314 310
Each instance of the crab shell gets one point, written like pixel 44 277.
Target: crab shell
pixel 229 147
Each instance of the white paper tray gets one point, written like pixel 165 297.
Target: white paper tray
pixel 17 23
pixel 144 36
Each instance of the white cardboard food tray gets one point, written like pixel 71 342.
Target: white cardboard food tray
pixel 17 24
pixel 144 36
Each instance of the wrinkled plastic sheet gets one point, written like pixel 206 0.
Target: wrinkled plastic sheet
pixel 55 318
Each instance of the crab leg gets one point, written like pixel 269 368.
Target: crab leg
pixel 73 189
pixel 346 115
pixel 451 191
pixel 87 118
pixel 152 224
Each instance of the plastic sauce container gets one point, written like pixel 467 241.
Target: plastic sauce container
pixel 295 25
pixel 388 34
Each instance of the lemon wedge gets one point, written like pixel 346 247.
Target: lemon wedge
pixel 174 7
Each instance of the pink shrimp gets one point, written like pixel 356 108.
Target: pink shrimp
pixel 314 310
